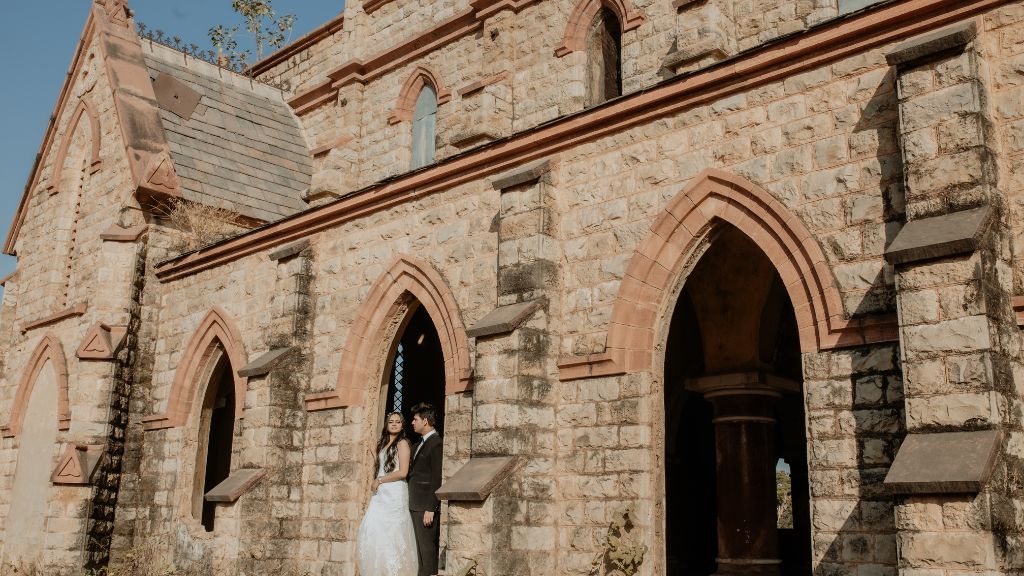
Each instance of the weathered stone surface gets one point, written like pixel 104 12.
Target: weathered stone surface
pixel 530 172
pixel 933 43
pixel 475 481
pixel 939 236
pixel 504 319
pixel 265 362
pixel 237 484
pixel 938 463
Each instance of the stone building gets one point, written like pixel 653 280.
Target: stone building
pixel 641 253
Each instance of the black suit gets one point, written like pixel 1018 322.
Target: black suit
pixel 424 480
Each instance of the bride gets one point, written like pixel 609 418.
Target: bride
pixel 386 544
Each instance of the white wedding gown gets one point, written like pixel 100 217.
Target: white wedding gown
pixel 385 544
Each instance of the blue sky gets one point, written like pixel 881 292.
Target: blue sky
pixel 40 41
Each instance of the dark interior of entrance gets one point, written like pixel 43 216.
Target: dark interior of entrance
pixel 417 371
pixel 219 423
pixel 732 339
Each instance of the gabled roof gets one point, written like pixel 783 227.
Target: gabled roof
pixel 241 148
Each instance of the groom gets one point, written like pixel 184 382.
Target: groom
pixel 425 479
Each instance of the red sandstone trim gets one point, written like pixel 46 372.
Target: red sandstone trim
pixel 812 49
pixel 300 44
pixel 51 133
pixel 481 84
pixel 48 349
pixel 84 109
pixel 215 331
pixel 716 196
pixel 406 276
pixel 1018 309
pixel 421 76
pixel 76 310
pixel 575 37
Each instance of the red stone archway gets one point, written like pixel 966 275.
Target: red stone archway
pixel 84 109
pixel 49 349
pixel 421 76
pixel 215 333
pixel 796 255
pixel 575 37
pixel 406 276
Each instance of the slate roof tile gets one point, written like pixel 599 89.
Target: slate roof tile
pixel 241 149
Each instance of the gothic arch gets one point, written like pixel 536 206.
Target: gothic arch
pixel 84 109
pixel 660 259
pixel 410 276
pixel 49 349
pixel 216 333
pixel 421 76
pixel 575 37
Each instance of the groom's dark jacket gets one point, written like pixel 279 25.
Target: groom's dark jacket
pixel 425 476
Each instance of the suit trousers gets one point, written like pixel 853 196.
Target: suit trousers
pixel 427 540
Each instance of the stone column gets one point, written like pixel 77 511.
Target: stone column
pixel 745 441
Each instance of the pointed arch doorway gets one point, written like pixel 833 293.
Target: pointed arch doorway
pixel 734 418
pixel 415 370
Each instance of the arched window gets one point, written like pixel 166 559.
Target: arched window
pixel 424 127
pixel 604 58
pixel 417 370
pixel 216 440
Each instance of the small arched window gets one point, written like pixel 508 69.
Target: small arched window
pixel 604 58
pixel 216 439
pixel 424 128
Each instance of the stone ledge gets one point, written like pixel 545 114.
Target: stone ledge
pixel 475 481
pixel 474 135
pixel 944 463
pixel 289 250
pixel 504 319
pixel 238 483
pixel 928 45
pixel 529 172
pixel 673 61
pixel 118 234
pixel 265 363
pixel 76 310
pixel 939 236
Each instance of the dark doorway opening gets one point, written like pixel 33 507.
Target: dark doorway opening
pixel 417 371
pixel 732 374
pixel 218 430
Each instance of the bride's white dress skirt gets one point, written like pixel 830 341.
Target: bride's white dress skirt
pixel 385 544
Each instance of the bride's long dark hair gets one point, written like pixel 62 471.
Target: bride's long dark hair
pixel 391 457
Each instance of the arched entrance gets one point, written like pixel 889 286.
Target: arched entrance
pixel 734 418
pixel 416 369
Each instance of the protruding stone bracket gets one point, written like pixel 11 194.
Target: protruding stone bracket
pixel 681 4
pixel 175 96
pixel 693 53
pixel 263 365
pixel 235 485
pixel 939 236
pixel 504 319
pixel 101 342
pixel 77 465
pixel 525 174
pixel 927 46
pixel 475 481
pixel 289 250
pixel 944 463
pixel 118 234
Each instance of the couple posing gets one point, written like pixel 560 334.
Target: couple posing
pixel 400 531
